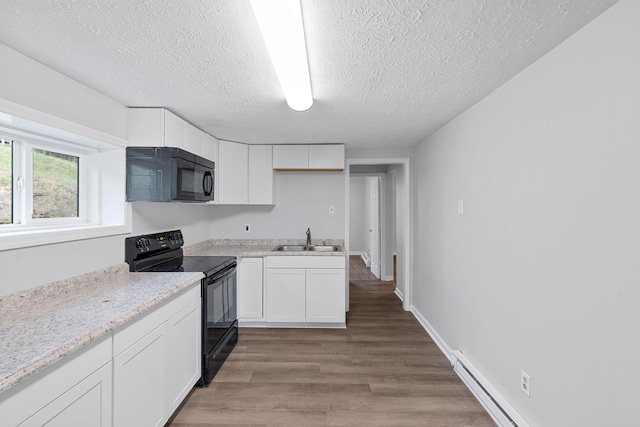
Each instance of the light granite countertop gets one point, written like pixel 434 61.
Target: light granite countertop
pixel 245 248
pixel 42 325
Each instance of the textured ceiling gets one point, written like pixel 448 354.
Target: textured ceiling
pixel 384 73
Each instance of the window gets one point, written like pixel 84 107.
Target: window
pixel 42 183
pixel 6 181
pixel 60 181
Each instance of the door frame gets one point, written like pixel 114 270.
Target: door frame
pixel 382 215
pixel 407 302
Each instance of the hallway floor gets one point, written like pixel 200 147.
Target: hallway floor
pixel 383 370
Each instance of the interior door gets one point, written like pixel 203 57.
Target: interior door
pixel 374 225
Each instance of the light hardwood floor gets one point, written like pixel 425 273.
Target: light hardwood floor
pixel 383 370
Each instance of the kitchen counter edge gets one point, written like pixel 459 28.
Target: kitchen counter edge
pixel 42 325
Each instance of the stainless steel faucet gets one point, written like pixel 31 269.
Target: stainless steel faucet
pixel 308 237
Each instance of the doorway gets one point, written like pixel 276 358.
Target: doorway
pixel 385 183
pixel 367 219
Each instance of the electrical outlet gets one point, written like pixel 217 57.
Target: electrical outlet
pixel 525 383
pixel 247 228
pixel 460 207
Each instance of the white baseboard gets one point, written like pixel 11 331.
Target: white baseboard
pixel 399 294
pixel 387 278
pixel 442 345
pixel 356 253
pixel 496 406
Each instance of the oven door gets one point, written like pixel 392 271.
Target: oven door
pixel 220 325
pixel 192 181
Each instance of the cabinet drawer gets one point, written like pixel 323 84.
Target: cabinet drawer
pixel 128 334
pixel 305 261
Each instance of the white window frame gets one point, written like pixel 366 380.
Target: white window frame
pixel 23 180
pixel 106 212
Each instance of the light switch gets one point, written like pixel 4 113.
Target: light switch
pixel 332 209
pixel 460 207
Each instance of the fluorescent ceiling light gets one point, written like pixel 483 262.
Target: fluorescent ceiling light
pixel 280 22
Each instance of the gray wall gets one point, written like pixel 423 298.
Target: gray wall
pixel 302 201
pixel 542 271
pixel 35 86
pixel 192 219
pixel 31 84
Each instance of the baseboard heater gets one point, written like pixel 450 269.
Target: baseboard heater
pixel 366 258
pixel 499 409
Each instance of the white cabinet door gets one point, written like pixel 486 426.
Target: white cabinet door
pixel 210 148
pixel 290 156
pixel 88 404
pixel 250 289
pixel 261 175
pixel 233 176
pixel 323 157
pixel 183 354
pixel 158 127
pixel 138 382
pixel 326 157
pixel 194 140
pixel 175 131
pixel 285 295
pixel 325 295
pixel 70 389
pixel 145 127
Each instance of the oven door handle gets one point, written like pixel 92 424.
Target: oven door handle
pixel 224 272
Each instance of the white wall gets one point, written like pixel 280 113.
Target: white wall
pixel 358 214
pixel 541 273
pixel 30 84
pixel 193 219
pixel 302 201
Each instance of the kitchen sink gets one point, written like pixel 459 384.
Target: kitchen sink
pixel 290 248
pixel 300 248
pixel 323 248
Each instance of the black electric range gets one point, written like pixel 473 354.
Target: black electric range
pixel 162 252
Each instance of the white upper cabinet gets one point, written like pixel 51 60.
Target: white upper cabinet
pixel 157 127
pixel 210 148
pixel 233 173
pixel 308 157
pixel 175 131
pixel 194 140
pixel 290 156
pixel 244 174
pixel 261 175
pixel 326 157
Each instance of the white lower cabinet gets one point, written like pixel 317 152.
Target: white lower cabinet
pixel 157 362
pixel 88 404
pixel 250 289
pixel 74 391
pixel 138 383
pixel 325 295
pixel 285 295
pixel 136 377
pixel 306 290
pixel 182 363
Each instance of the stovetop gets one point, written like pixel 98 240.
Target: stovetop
pixel 206 264
pixel 162 252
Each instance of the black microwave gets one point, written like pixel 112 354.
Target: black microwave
pixel 167 174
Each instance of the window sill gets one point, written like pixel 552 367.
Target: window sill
pixel 31 238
